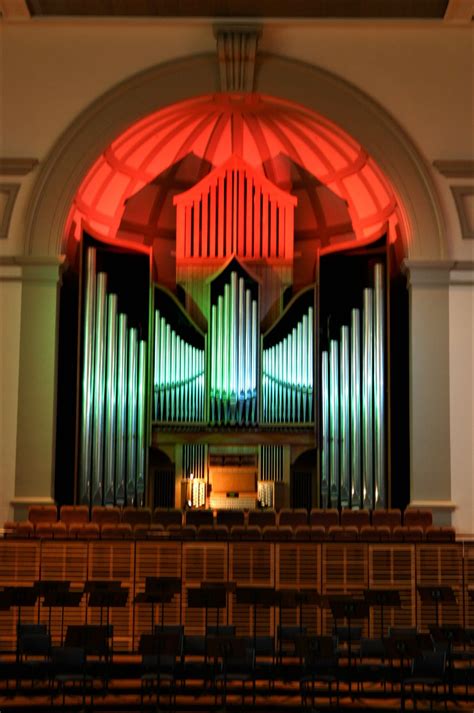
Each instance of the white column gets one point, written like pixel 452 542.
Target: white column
pixel 10 317
pixel 461 377
pixel 36 416
pixel 430 448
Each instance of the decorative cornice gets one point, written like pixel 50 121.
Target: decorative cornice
pixel 17 166
pixel 10 190
pixel 467 224
pixel 455 169
pixel 433 504
pixel 28 268
pixel 236 54
pixel 440 273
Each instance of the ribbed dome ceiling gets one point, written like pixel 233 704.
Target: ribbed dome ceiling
pixel 342 195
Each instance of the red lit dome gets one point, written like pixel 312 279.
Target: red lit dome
pixel 342 195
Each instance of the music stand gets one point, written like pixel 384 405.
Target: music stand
pixel 158 590
pixel 17 597
pixel 437 594
pixel 307 596
pixel 62 599
pixel 45 586
pixel 255 597
pixel 285 599
pixel 402 646
pixel 344 606
pixel 105 599
pixel 382 598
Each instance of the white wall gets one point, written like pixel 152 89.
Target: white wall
pixel 461 367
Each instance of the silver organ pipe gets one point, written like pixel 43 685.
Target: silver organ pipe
pixel 288 375
pixel 344 418
pixel 99 388
pixel 194 463
pixel 367 399
pixel 334 478
pixel 270 472
pixel 111 401
pixel 233 363
pixel 121 440
pixel 113 437
pixel 141 422
pixel 180 377
pixel 379 389
pixel 355 409
pixel 87 377
pixel 325 429
pixel 132 416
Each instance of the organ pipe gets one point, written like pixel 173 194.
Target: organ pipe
pixel 132 416
pixel 288 375
pixel 180 376
pixel 334 475
pixel 121 439
pixel 379 389
pixel 141 423
pixel 325 429
pixel 233 362
pixel 99 389
pixel 111 401
pixel 355 409
pixel 344 418
pixel 87 377
pixel 367 398
pixel 114 396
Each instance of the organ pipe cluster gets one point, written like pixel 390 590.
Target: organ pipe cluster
pixel 113 442
pixel 288 376
pixel 353 451
pixel 178 376
pixel 233 358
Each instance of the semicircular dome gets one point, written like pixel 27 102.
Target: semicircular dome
pixel 343 197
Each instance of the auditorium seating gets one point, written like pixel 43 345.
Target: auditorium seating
pixel 319 525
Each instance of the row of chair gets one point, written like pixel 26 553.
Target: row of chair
pixel 317 524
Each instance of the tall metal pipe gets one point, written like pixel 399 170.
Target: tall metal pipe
pixel 162 368
pixel 111 401
pixel 132 416
pixel 241 352
pixel 234 328
pixel 310 362
pixel 367 399
pixel 156 365
pixel 325 429
pixel 355 410
pixel 254 352
pixel 334 421
pixel 379 388
pixel 141 422
pixel 121 438
pixel 344 418
pixel 99 389
pixel 87 377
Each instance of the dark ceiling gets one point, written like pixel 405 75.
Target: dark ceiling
pixel 319 9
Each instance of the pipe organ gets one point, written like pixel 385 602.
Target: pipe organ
pixel 224 364
pixel 353 407
pixel 114 396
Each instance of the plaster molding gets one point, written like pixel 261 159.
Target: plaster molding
pixel 344 104
pixel 31 268
pixel 455 169
pixel 467 224
pixel 17 166
pixel 32 500
pixel 433 504
pixel 10 190
pixel 422 273
pixel 236 55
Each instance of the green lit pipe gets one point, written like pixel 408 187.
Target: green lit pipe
pixel 254 351
pixel 99 389
pixel 162 372
pixel 367 399
pixel 304 367
pixel 344 418
pixel 111 402
pixel 355 410
pixel 310 362
pixel 87 378
pixel 324 430
pixel 121 436
pixel 141 422
pixel 334 421
pixel 132 416
pixel 156 365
